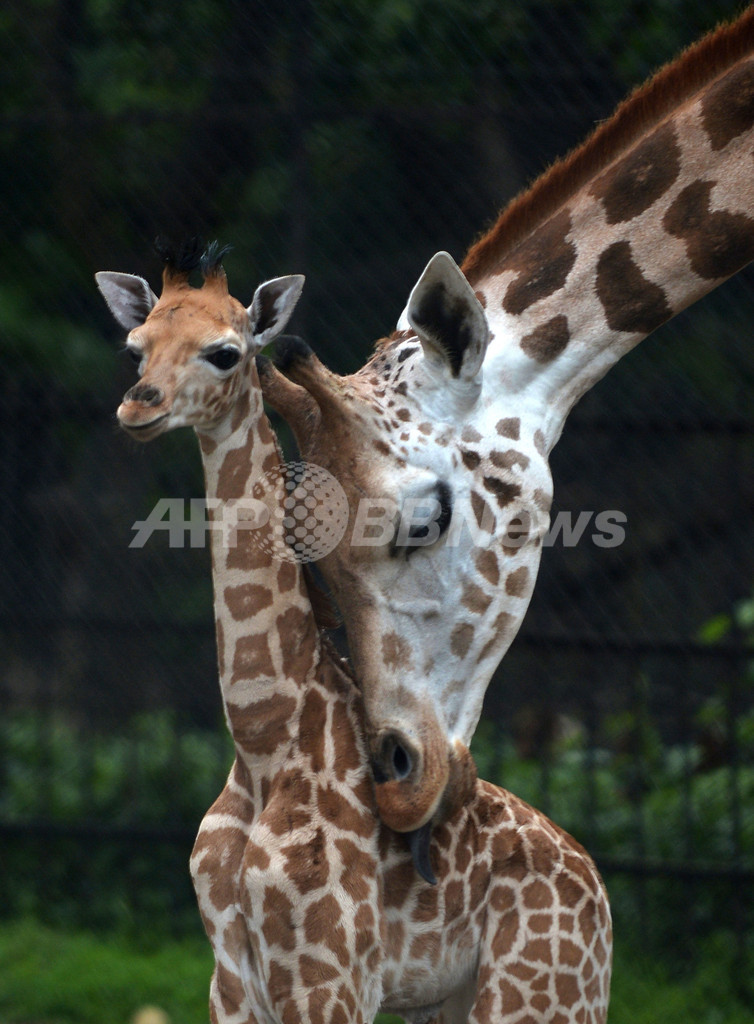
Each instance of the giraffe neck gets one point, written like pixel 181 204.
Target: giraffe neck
pixel 654 210
pixel 267 640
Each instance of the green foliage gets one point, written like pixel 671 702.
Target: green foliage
pixel 150 785
pixel 154 771
pixel 82 979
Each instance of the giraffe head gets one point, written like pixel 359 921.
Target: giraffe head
pixel 194 346
pixel 437 565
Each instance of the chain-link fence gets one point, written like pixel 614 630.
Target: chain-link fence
pixel 349 142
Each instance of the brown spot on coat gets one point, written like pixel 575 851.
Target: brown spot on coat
pixel 344 740
pixel 358 870
pixel 548 340
pixel 426 948
pixel 279 928
pixel 728 106
pixel 255 857
pixel 516 533
pixel 537 895
pixel 512 998
pixel 262 727
pixel 486 562
pixel 312 729
pixel 567 989
pixel 426 905
pixel 247 555
pixel 288 575
pixel 235 472
pixel 460 639
pixel 717 243
pixel 538 950
pixel 505 934
pixel 470 459
pixel 252 658
pixel 543 261
pixel 470 435
pixel 475 599
pixel 509 459
pixel 290 808
pixel 398 881
pixel 483 514
pixel 571 955
pixel 638 180
pixel 241 411
pixel 510 427
pixel 246 600
pixel 315 972
pixel 500 627
pixel 322 927
pixel 280 982
pixel 504 491
pixel 306 863
pixel 336 809
pixel 231 990
pixel 396 652
pixel 631 302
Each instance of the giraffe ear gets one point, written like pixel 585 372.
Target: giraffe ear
pixel 271 307
pixel 448 318
pixel 129 298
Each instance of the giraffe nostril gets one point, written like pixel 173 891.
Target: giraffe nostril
pixel 401 761
pixel 145 394
pixel 394 760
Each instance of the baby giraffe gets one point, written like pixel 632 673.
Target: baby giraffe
pixel 313 907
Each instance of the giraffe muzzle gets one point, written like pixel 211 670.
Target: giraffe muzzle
pixel 145 394
pixel 410 778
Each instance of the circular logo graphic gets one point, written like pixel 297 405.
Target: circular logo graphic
pixel 308 515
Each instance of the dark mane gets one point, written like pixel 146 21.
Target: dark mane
pixel 180 258
pixel 212 258
pixel 699 65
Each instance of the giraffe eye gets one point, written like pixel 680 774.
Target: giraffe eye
pixel 135 354
pixel 424 534
pixel 224 358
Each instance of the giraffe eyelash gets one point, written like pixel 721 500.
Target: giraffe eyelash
pixel 134 353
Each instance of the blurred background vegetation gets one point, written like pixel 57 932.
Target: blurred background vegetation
pixel 348 141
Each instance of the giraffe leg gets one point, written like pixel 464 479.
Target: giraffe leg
pixel 227 1000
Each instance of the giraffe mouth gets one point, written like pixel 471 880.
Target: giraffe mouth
pixel 145 431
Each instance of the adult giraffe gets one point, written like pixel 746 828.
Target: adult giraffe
pixel 312 905
pixel 459 409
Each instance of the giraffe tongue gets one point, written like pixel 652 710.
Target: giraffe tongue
pixel 419 842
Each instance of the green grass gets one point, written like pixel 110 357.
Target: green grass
pixel 49 977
